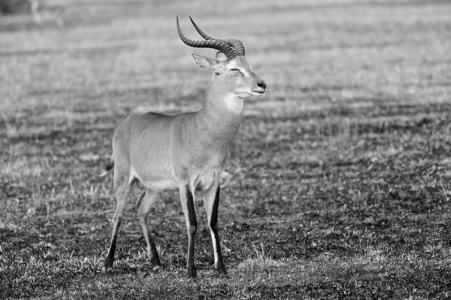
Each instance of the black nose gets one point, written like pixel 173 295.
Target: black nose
pixel 262 84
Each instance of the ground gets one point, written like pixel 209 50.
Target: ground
pixel 340 184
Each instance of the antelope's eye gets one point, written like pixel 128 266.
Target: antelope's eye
pixel 235 70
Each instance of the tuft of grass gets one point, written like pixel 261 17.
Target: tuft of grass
pixel 259 262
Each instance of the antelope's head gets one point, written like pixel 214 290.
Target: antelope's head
pixel 231 71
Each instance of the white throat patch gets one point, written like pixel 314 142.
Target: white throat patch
pixel 234 103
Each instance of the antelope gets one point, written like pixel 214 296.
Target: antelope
pixel 185 152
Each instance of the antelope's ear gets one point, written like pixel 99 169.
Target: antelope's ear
pixel 204 62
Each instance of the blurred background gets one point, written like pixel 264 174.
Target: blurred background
pixel 67 56
pixel 354 131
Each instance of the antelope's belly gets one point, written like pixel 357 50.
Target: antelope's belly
pixel 160 185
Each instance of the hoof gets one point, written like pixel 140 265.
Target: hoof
pixel 220 273
pixel 107 268
pixel 108 263
pixel 220 268
pixel 192 273
pixel 155 264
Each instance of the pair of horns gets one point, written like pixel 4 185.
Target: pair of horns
pixel 230 47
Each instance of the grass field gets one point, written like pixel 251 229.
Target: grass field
pixel 341 172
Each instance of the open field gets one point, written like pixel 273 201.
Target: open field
pixel 341 172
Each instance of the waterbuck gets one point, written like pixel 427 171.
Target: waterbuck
pixel 185 152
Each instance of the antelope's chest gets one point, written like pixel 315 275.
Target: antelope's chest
pixel 206 172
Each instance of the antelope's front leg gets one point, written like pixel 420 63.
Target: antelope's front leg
pixel 187 199
pixel 211 202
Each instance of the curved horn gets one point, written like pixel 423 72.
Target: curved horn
pixel 202 34
pixel 236 44
pixel 211 43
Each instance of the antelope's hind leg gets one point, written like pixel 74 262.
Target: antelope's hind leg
pixel 211 202
pixel 144 204
pixel 122 189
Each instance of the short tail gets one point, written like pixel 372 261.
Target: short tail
pixel 108 168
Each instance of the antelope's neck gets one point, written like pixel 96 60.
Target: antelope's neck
pixel 221 115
